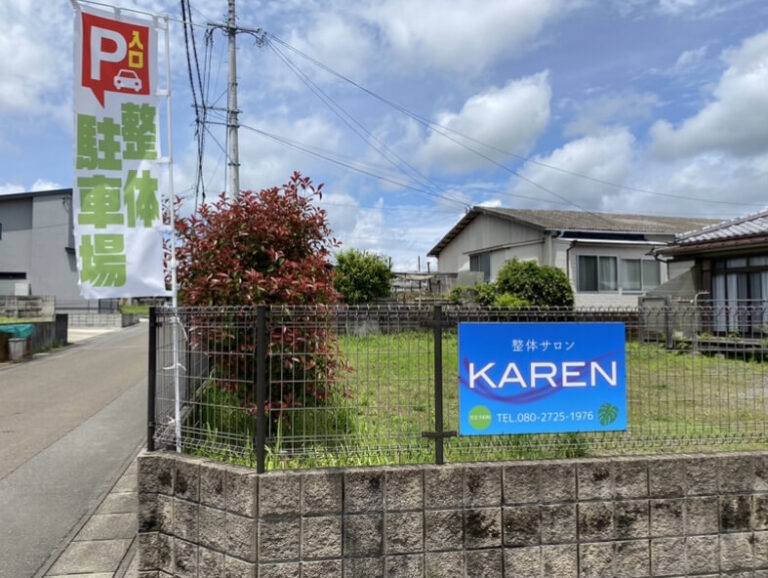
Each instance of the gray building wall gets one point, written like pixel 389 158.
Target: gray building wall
pixel 37 241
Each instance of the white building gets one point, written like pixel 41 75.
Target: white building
pixel 607 257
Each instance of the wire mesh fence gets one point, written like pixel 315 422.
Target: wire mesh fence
pixel 322 386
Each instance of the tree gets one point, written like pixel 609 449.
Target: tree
pixel 362 277
pixel 272 246
pixel 538 285
pixel 266 247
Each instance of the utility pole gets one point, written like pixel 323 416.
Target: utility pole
pixel 233 151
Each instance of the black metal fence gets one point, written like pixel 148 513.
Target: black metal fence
pixel 285 387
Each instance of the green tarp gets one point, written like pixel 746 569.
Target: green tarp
pixel 20 330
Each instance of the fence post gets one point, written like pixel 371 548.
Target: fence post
pixel 261 387
pixel 439 434
pixel 152 379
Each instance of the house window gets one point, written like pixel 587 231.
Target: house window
pixel 481 262
pixel 739 282
pixel 639 274
pixel 597 274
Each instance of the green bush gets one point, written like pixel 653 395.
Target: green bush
pixel 539 286
pixel 510 301
pixel 362 277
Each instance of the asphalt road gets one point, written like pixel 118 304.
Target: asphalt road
pixel 69 422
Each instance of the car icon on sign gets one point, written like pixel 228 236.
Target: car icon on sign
pixel 126 79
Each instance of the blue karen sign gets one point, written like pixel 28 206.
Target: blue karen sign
pixel 519 378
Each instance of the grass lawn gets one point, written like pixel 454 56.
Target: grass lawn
pixel 677 401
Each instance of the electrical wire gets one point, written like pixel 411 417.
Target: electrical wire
pixel 441 129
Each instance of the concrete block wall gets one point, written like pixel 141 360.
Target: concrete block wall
pixel 688 515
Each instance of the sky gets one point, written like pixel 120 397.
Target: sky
pixel 410 113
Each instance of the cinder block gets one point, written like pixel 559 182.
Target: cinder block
pixel 279 539
pixel 520 484
pixel 404 489
pixel 760 511
pixel 363 491
pixel 321 569
pixel 155 473
pixel 761 473
pixel 667 518
pixel 444 530
pixel 445 564
pixel 286 570
pixel 482 486
pixel 558 523
pixel 404 532
pixel 213 528
pixel 184 559
pixel 735 513
pixel 364 535
pixel 701 516
pixel 368 567
pixel 595 521
pixel 737 473
pixel 736 552
pixel 702 554
pixel 155 551
pixel 147 514
pixel 596 559
pixel 280 494
pixel 185 518
pixel 321 537
pixel 404 566
pixel 631 478
pixel 186 479
pixel 234 568
pixel 241 491
pixel 482 528
pixel 666 479
pixel 631 519
pixel 632 559
pixel 595 480
pixel 321 493
pixel 212 485
pixel 701 476
pixel 211 564
pixel 485 563
pixel 443 487
pixel 761 550
pixel 668 556
pixel 522 526
pixel 523 562
pixel 557 483
pixel 560 560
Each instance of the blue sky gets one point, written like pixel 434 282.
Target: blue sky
pixel 641 106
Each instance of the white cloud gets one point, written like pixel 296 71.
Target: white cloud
pixel 460 34
pixel 606 157
pixel 37 58
pixel 690 59
pixel 509 118
pixel 592 115
pixel 735 121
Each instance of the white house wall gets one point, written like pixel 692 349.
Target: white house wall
pixel 605 299
pixel 485 232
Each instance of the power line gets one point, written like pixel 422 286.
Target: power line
pixel 442 130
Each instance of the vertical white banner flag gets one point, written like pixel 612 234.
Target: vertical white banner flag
pixel 117 208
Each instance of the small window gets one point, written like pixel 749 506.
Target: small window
pixel 597 274
pixel 639 274
pixel 481 262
